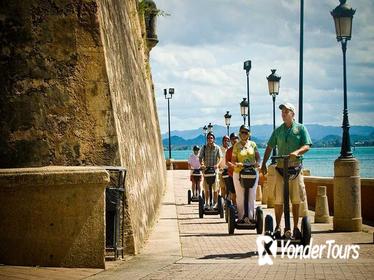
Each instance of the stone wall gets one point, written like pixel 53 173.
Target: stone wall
pixel 53 216
pixel 76 89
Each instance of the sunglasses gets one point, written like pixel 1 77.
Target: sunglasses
pixel 210 137
pixel 244 132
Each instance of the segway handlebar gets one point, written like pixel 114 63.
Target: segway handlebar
pixel 283 157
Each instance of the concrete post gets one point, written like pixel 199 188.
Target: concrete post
pixel 322 206
pixel 271 185
pixel 259 193
pixel 169 164
pixel 347 195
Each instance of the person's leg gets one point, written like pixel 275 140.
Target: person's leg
pixel 193 178
pixel 252 199
pixel 279 199
pixel 239 195
pixel 295 194
pixel 206 192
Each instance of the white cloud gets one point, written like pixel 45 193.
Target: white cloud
pixel 203 45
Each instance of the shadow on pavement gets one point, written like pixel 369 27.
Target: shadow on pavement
pixel 230 256
pixel 213 234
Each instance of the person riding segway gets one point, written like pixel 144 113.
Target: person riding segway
pixel 230 189
pixel 195 176
pixel 246 159
pixel 291 139
pixel 210 157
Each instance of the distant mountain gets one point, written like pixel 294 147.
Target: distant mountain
pixel 322 136
pixel 263 132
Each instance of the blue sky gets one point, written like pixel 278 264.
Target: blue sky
pixel 203 44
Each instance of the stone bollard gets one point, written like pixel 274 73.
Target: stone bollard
pixel 169 164
pixel 259 193
pixel 347 195
pixel 271 185
pixel 322 206
pixel 264 193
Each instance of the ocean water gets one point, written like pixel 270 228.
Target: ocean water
pixel 320 161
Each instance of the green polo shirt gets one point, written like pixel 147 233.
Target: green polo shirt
pixel 290 139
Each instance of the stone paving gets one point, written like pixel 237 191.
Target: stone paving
pixel 210 253
pixel 182 246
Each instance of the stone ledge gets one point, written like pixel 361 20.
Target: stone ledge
pixel 53 175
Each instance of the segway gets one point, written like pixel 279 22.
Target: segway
pixel 228 182
pixel 306 232
pixel 248 178
pixel 196 178
pixel 210 178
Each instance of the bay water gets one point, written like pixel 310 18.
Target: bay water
pixel 320 161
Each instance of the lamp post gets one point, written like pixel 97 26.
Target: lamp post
pixel 301 61
pixel 247 67
pixel 205 129
pixel 273 85
pixel 347 184
pixel 343 15
pixel 227 117
pixel 244 109
pixel 168 96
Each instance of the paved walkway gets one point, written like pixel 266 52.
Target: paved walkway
pixel 182 246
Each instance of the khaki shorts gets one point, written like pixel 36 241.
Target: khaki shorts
pixel 296 189
pixel 215 186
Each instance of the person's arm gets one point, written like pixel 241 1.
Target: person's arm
pixel 302 150
pixel 265 159
pixel 228 161
pixel 219 158
pixel 258 158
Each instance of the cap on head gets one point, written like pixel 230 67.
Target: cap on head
pixel 288 106
pixel 196 148
pixel 233 136
pixel 225 137
pixel 210 134
pixel 244 127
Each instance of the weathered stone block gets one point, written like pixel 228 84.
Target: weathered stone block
pixel 53 216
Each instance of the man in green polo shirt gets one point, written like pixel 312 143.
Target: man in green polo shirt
pixel 291 138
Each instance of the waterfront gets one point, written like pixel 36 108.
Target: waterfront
pixel 320 161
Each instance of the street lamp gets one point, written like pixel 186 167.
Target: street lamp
pixel 244 108
pixel 227 117
pixel 168 96
pixel 210 127
pixel 273 85
pixel 247 66
pixel 343 15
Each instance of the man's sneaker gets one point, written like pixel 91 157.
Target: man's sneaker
pixel 215 206
pixel 296 234
pixel 206 207
pixel 277 233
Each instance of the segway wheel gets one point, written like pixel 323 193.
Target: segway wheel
pixel 227 209
pixel 189 196
pixel 306 231
pixel 259 220
pixel 231 222
pixel 269 227
pixel 220 206
pixel 201 207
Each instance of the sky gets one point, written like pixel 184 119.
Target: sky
pixel 204 43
